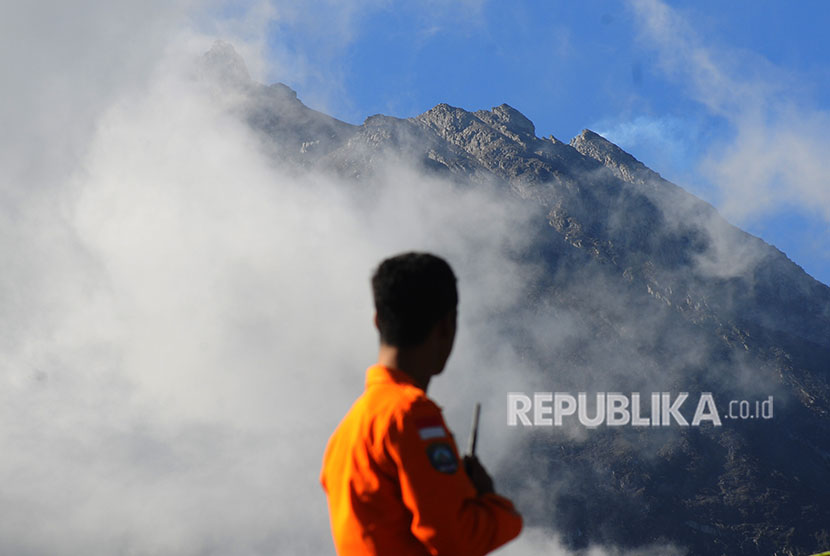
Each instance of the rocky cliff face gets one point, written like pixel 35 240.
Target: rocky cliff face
pixel 661 285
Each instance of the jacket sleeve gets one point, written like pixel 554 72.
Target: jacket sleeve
pixel 448 516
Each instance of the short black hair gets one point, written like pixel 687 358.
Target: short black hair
pixel 412 292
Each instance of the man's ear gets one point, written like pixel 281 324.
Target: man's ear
pixel 449 323
pixel 375 320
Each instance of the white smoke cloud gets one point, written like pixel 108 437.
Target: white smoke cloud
pixel 188 324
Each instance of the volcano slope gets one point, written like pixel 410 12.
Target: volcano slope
pixel 662 295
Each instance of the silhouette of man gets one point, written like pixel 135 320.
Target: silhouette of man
pixel 391 469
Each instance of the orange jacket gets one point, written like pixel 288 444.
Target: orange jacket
pixel 395 484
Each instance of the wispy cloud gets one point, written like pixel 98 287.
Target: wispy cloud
pixel 777 153
pixel 667 143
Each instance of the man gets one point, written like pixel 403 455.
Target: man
pixel 391 470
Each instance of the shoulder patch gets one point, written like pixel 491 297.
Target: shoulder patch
pixel 442 458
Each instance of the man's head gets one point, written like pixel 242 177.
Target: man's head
pixel 414 292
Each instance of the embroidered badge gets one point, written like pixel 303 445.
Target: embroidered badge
pixel 442 458
pixel 430 427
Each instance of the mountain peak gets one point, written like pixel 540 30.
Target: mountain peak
pixel 283 90
pixel 503 119
pixel 224 64
pixel 445 110
pixel 590 137
pixel 624 166
pixel 514 120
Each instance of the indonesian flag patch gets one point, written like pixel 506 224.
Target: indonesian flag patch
pixel 430 427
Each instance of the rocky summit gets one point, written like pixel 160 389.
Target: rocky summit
pixel 667 297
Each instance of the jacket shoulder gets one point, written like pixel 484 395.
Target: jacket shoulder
pixel 398 407
pixel 415 402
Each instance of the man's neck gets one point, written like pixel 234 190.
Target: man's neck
pixel 410 361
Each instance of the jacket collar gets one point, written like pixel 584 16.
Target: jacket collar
pixel 379 374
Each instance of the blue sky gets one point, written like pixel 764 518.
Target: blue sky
pixel 700 92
